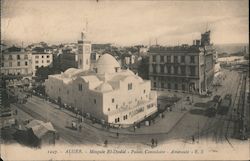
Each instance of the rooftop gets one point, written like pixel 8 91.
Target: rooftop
pixel 40 128
pixel 13 49
pixel 182 48
pixel 106 79
pixel 36 53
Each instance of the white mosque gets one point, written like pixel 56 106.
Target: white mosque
pixel 106 92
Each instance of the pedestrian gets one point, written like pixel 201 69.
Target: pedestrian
pixel 152 143
pixel 80 127
pixel 156 142
pixel 106 143
pixel 193 139
pixel 117 134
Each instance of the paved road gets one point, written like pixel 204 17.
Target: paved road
pixel 204 128
pixel 191 124
pixel 41 110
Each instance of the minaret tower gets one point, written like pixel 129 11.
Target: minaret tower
pixel 84 50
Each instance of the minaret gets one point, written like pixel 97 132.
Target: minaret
pixel 84 51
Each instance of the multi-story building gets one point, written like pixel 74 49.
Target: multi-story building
pixel 16 62
pixel 129 59
pixel 182 68
pixel 41 59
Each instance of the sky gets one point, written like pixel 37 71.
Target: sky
pixel 124 22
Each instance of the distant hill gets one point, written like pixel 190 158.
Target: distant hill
pixel 231 48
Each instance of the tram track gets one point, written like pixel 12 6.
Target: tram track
pixel 218 128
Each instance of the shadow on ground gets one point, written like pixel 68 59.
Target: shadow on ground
pixel 201 104
pixel 197 111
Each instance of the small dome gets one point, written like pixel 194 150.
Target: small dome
pixel 107 64
pixel 129 72
pixel 71 72
pixel 104 87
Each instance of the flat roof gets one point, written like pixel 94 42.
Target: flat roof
pixel 38 53
pixel 175 49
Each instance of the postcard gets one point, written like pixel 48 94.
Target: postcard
pixel 124 80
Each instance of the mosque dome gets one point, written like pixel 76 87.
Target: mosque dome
pixel 107 64
pixel 104 87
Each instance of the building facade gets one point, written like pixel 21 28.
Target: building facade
pixel 182 68
pixel 107 93
pixel 129 60
pixel 16 61
pixel 41 59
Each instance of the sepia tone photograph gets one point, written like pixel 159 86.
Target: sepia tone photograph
pixel 124 80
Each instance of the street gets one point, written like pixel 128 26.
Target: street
pixel 186 125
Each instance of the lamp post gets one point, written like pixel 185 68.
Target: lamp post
pixel 82 115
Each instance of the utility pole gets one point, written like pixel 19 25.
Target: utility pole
pixel 82 114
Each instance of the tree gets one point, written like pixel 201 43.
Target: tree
pixel 143 68
pixel 43 72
